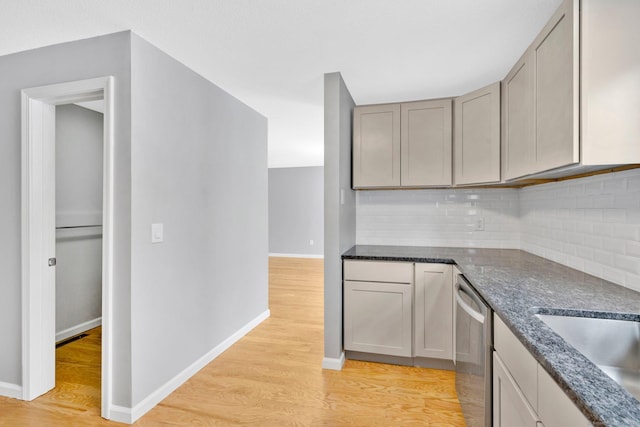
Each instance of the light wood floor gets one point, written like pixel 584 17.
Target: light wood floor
pixel 271 377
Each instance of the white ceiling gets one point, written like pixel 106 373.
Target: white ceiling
pixel 272 54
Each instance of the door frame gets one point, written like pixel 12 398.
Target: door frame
pixel 38 231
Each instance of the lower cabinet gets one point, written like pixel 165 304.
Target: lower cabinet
pixel 433 310
pixel 378 317
pixel 510 407
pixel 554 407
pixel 399 309
pixel 524 394
pixel 378 307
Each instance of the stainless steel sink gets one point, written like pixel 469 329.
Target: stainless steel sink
pixel 613 345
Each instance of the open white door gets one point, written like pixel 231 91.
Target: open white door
pixel 38 231
pixel 38 247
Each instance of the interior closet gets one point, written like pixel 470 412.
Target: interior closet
pixel 79 159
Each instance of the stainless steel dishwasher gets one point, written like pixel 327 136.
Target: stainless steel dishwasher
pixel 474 344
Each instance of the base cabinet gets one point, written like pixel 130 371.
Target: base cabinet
pixel 399 309
pixel 378 317
pixel 554 407
pixel 524 394
pixel 378 298
pixel 510 407
pixel 433 307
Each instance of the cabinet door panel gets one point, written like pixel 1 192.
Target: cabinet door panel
pixel 554 407
pixel 510 408
pixel 378 317
pixel 376 146
pixel 433 306
pixel 556 92
pixel 477 136
pixel 517 117
pixel 426 143
pixel 518 361
pixel 609 81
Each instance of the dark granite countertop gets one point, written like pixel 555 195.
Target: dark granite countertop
pixel 517 285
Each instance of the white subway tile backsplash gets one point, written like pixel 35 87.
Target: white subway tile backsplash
pixel 607 219
pixel 616 246
pixel 628 200
pixel 633 249
pixel 591 224
pixel 593 215
pixel 632 281
pixel 613 275
pixel 629 264
pixel 438 218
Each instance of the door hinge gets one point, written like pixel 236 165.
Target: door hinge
pixel 52 262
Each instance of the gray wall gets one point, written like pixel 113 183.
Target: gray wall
pixel 96 57
pixel 187 154
pixel 199 166
pixel 339 215
pixel 296 210
pixel 79 144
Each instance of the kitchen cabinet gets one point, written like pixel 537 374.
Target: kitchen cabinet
pixel 554 407
pixel 399 309
pixel 425 143
pixel 556 90
pixel 570 104
pixel 477 136
pixel 433 308
pixel 378 307
pixel 521 364
pixel 517 120
pixel 524 394
pixel 376 146
pixel 402 145
pixel 510 407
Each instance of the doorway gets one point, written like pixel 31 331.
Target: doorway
pixel 78 187
pixel 39 231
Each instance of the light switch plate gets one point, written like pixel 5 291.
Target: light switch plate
pixel 157 233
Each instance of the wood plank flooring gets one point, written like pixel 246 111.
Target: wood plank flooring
pixel 271 377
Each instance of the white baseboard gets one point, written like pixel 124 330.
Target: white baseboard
pixel 121 414
pixel 10 390
pixel 78 329
pixel 131 415
pixel 296 255
pixel 332 363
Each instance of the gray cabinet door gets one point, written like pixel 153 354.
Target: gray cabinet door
pixel 557 90
pixel 554 407
pixel 518 150
pixel 510 408
pixel 433 306
pixel 477 136
pixel 426 143
pixel 376 146
pixel 378 317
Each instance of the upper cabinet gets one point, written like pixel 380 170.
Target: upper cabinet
pixel 556 90
pixel 477 137
pixel 376 146
pixel 402 145
pixel 518 158
pixel 570 104
pixel 425 143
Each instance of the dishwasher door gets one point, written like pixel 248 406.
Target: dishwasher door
pixel 473 355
